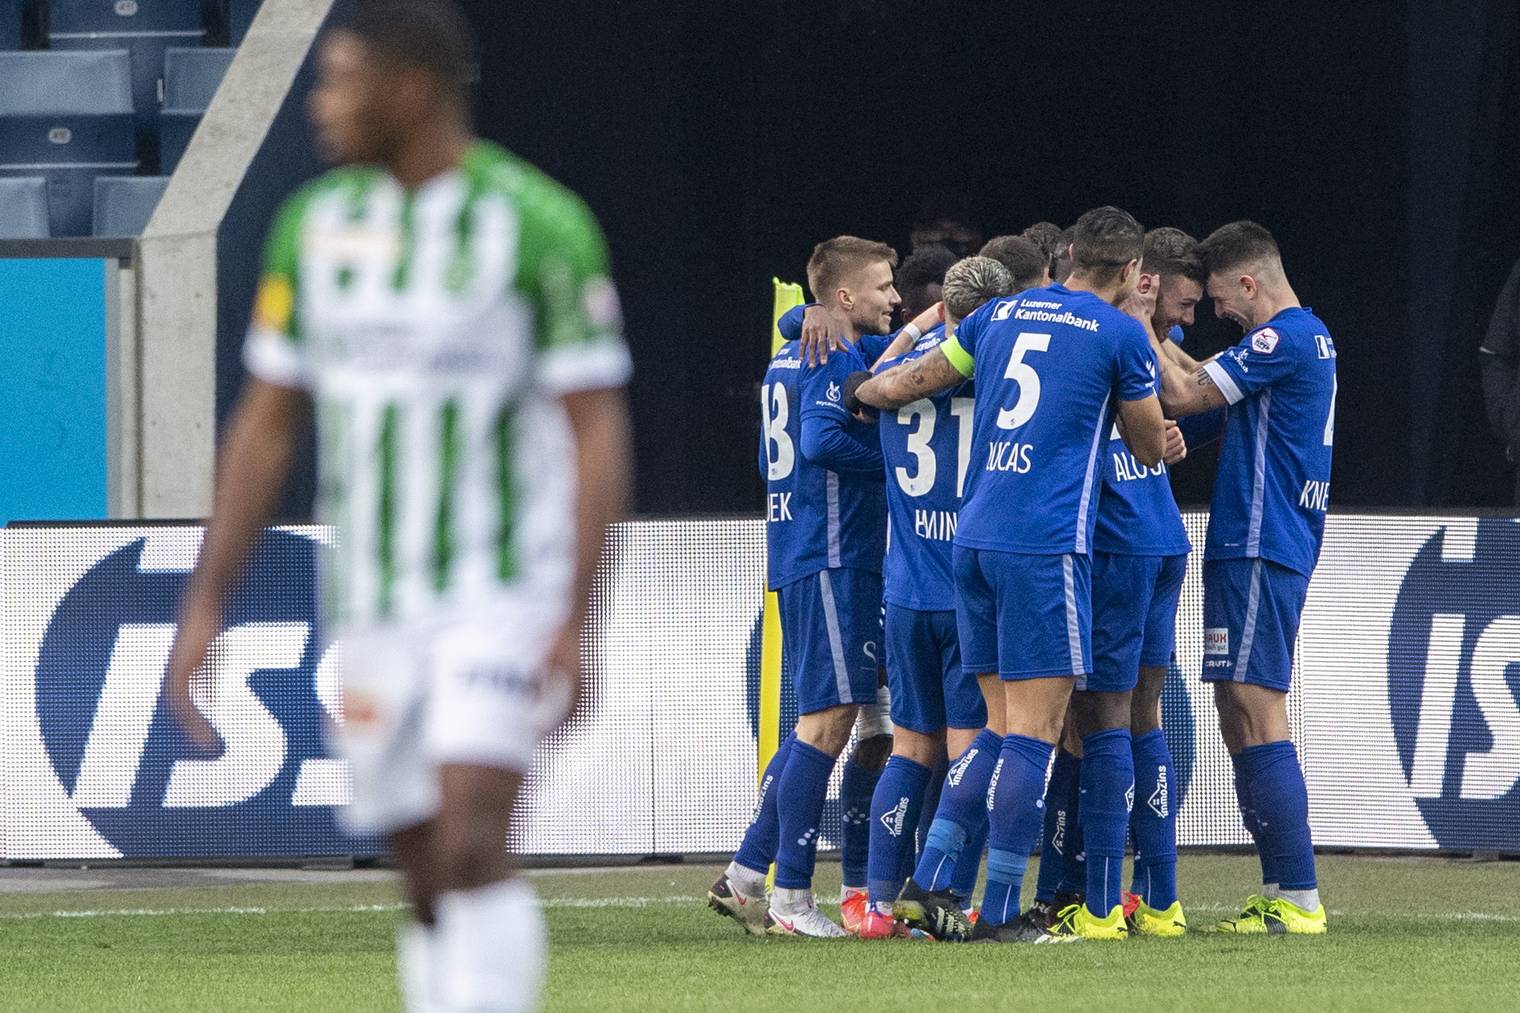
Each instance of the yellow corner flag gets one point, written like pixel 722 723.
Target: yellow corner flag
pixel 787 295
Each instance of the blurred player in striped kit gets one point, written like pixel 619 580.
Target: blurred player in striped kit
pixel 446 311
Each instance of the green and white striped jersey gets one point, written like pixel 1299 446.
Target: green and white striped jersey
pixel 436 329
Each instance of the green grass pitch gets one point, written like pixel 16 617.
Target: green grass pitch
pixel 1405 934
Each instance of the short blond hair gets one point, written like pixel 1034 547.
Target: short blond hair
pixel 835 260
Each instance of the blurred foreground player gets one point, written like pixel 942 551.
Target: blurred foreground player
pixel 1059 364
pixel 935 703
pixel 825 538
pixel 446 311
pixel 1266 522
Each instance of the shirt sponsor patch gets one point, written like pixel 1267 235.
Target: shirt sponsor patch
pixel 1264 341
pixel 1216 640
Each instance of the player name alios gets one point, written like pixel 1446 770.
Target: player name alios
pixel 1127 468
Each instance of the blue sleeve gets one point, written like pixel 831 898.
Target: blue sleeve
pixel 872 345
pixel 1264 357
pixel 826 442
pixel 826 425
pixel 1201 430
pixel 765 452
pixel 1135 363
pixel 790 324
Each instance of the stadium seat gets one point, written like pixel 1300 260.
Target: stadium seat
pixel 147 55
pixel 24 208
pixel 240 14
pixel 10 24
pixel 123 204
pixel 191 77
pixel 114 17
pixel 67 116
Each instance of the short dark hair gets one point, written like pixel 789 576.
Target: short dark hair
pixel 1023 258
pixel 834 260
pixel 1060 257
pixel 1172 251
pixel 1045 235
pixel 433 35
pixel 1104 240
pixel 1236 245
pixel 923 267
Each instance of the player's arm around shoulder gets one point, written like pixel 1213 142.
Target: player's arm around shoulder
pixel 903 384
pixel 1141 422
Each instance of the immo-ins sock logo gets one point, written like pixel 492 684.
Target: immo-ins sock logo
pixel 118 751
pixel 1453 680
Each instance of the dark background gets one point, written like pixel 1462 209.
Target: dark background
pixel 1379 140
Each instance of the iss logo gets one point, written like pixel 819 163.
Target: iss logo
pixel 1453 677
pixel 119 753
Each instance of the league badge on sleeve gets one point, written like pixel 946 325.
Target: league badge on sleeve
pixel 1264 341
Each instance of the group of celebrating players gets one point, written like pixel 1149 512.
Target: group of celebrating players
pixel 1011 535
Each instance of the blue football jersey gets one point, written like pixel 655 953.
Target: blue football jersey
pixel 926 447
pixel 1137 513
pixel 1273 484
pixel 871 345
pixel 825 506
pixel 1054 364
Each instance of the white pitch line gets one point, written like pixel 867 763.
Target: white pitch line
pixel 593 903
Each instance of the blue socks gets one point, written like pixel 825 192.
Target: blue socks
pixel 800 794
pixel 1275 783
pixel 758 849
pixel 855 792
pixel 962 807
pixel 1108 785
pixel 1153 822
pixel 1017 813
pixel 932 793
pixel 1253 826
pixel 969 865
pixel 1060 824
pixel 893 826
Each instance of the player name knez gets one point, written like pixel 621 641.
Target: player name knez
pixel 1316 495
pixel 1004 455
pixel 938 525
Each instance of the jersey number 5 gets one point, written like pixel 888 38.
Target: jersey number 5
pixel 1023 374
pixel 774 416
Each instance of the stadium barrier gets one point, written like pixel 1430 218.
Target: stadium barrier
pixel 1405 702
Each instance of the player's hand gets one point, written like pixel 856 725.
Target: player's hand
pixel 821 334
pixel 564 672
pixel 852 403
pixel 187 668
pixel 1175 448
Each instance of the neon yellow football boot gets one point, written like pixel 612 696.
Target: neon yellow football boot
pixel 1286 917
pixel 1251 921
pixel 1168 924
pixel 1076 920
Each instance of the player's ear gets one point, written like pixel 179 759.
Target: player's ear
pixel 1148 283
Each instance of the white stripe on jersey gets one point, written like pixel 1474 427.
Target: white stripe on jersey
pixel 1248 630
pixel 1259 475
pixel 836 642
pixel 1073 621
pixel 831 491
pixel 1092 470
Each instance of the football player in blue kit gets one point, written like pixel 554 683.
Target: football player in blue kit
pixel 825 538
pixel 1140 551
pixel 1266 523
pixel 1063 362
pixel 936 704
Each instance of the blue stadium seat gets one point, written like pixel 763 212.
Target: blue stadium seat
pixel 240 14
pixel 148 51
pixel 123 204
pixel 10 24
pixel 191 77
pixel 118 16
pixel 67 116
pixel 24 208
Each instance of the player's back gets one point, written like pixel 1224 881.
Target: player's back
pixel 1273 485
pixel 816 518
pixel 1052 365
pixel 1137 513
pixel 927 449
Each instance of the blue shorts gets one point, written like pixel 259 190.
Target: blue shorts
pixel 1134 610
pixel 1024 616
pixel 1251 609
pixel 930 689
pixel 830 629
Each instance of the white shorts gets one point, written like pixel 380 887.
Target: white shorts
pixel 461 686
